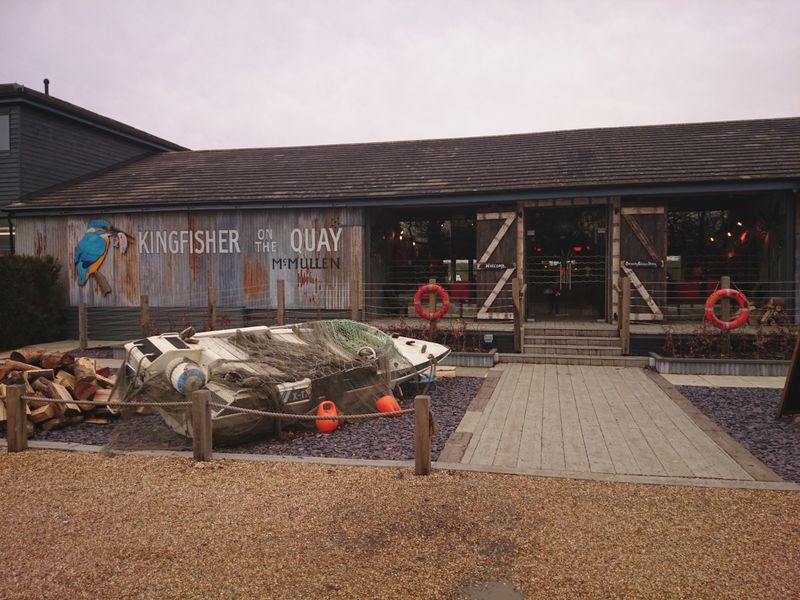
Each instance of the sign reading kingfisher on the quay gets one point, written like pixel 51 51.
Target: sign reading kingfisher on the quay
pixel 228 241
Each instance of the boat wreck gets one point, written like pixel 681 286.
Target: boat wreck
pixel 285 369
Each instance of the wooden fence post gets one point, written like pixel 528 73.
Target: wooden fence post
pixel 83 327
pixel 212 308
pixel 354 295
pixel 280 317
pixel 16 434
pixel 144 315
pixel 515 298
pixel 625 314
pixel 422 435
pixel 201 425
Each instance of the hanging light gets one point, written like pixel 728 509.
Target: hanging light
pixel 711 238
pixel 729 234
pixel 739 223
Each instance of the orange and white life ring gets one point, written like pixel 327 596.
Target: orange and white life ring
pixel 431 288
pixel 741 317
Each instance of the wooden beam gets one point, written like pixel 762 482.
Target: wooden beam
pixel 648 245
pixel 484 310
pixel 201 425
pixel 83 327
pixel 16 434
pixel 637 284
pixel 212 308
pixel 280 317
pixel 642 210
pixel 625 315
pixel 144 317
pixel 494 216
pixel 615 253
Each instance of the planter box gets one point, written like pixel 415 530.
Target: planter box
pixel 720 366
pixel 470 359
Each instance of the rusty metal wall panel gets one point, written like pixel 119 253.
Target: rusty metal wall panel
pixel 174 257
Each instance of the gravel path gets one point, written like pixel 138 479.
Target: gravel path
pixel 83 526
pixel 380 439
pixel 748 414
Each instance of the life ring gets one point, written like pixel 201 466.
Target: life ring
pixel 741 318
pixel 431 288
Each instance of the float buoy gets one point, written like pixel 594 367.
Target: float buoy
pixel 431 288
pixel 741 318
pixel 326 409
pixel 387 404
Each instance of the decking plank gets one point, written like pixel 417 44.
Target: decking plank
pixel 489 438
pixel 596 450
pixel 530 444
pixel 575 456
pixel 552 436
pixel 507 454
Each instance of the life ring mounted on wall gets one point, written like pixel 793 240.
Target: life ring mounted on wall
pixel 741 317
pixel 431 288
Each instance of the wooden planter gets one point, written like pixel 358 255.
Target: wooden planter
pixel 720 366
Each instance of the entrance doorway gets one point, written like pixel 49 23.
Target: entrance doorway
pixel 565 251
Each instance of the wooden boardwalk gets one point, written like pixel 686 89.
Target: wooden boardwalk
pixel 590 419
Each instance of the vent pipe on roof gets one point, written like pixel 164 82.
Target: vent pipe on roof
pixel 46 87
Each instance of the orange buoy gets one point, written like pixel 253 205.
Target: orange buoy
pixel 387 404
pixel 326 408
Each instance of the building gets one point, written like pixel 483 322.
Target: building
pixel 45 141
pixel 566 213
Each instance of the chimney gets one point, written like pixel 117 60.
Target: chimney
pixel 46 87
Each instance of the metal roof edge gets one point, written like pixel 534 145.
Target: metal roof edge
pixel 23 210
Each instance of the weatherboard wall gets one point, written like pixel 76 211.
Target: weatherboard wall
pixel 174 257
pixel 9 159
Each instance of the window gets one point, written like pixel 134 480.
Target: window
pixel 5 134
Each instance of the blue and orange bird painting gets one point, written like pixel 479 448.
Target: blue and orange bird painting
pixel 92 249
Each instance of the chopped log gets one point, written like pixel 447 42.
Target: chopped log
pixel 13 365
pixel 35 403
pixel 30 356
pixel 74 419
pixel 104 372
pixel 59 392
pixel 106 382
pixel 56 423
pixel 29 428
pixel 97 421
pixel 2 390
pixel 84 390
pixel 53 360
pixel 41 385
pixel 44 413
pixel 34 374
pixel 145 410
pixel 84 369
pixel 15 378
pixel 3 413
pixel 66 379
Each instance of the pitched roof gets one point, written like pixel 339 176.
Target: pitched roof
pixel 14 92
pixel 583 159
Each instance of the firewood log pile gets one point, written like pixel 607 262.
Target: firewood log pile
pixel 58 375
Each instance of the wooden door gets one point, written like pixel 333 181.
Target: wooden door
pixel 496 249
pixel 643 255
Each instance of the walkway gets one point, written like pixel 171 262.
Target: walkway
pixel 595 420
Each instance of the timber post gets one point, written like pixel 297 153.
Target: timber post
pixel 422 435
pixel 212 308
pixel 725 313
pixel 17 436
pixel 354 291
pixel 83 327
pixel 201 425
pixel 517 301
pixel 144 315
pixel 625 314
pixel 280 317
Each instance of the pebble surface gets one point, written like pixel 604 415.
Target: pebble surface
pixel 83 526
pixel 748 415
pixel 378 439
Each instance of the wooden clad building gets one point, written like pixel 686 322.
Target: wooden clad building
pixel 673 207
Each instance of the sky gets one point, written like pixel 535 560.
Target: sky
pixel 258 73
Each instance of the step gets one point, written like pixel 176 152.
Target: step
pixel 560 359
pixel 572 350
pixel 575 331
pixel 570 340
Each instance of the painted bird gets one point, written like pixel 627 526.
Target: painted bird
pixel 92 249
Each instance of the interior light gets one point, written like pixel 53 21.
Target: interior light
pixel 739 223
pixel 577 248
pixel 711 238
pixel 743 237
pixel 729 234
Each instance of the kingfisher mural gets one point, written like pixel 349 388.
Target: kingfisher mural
pixel 92 249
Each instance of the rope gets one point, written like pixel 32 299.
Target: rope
pixel 278 415
pixel 109 403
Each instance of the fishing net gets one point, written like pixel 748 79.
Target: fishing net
pixel 287 370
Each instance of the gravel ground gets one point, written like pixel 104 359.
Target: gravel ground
pixel 748 414
pixel 89 526
pixel 380 439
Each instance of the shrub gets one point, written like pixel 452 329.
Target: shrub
pixel 32 301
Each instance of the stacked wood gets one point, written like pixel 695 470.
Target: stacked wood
pixel 57 375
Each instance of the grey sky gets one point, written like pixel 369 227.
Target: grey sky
pixel 216 74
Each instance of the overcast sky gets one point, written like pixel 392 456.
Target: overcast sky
pixel 242 73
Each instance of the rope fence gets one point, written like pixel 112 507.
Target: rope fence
pixel 201 405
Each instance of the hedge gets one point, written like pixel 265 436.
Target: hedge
pixel 32 301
